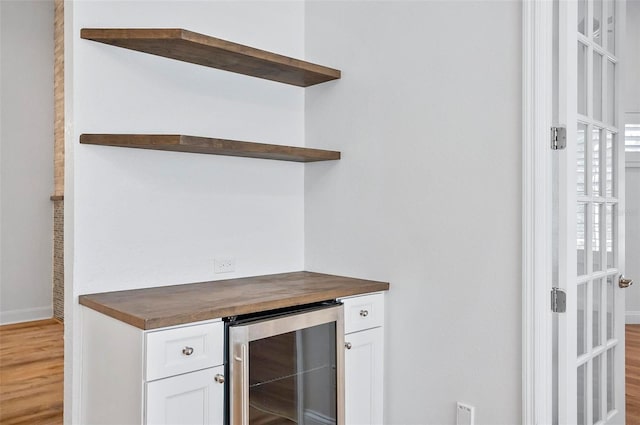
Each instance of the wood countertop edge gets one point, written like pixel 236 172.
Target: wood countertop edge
pixel 151 323
pixel 254 307
pixel 130 319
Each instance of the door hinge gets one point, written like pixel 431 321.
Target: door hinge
pixel 558 138
pixel 558 300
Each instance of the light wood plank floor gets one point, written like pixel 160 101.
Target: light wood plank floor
pixel 633 373
pixel 31 373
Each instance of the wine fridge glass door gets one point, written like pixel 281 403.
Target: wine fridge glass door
pixel 288 370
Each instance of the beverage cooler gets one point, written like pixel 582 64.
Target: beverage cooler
pixel 286 366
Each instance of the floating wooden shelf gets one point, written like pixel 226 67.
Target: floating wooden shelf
pixel 193 144
pixel 188 46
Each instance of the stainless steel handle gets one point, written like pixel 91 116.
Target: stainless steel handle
pixel 623 282
pixel 364 313
pixel 187 351
pixel 348 345
pixel 219 378
pixel 245 386
pixel 239 379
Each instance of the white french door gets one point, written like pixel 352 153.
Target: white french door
pixel 588 214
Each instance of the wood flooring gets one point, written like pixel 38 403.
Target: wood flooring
pixel 31 373
pixel 633 373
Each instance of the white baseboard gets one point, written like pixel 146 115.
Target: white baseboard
pixel 632 318
pixel 25 315
pixel 632 160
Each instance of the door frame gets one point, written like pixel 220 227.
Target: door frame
pixel 537 319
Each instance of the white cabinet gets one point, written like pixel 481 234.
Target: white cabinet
pixel 184 375
pixel 192 398
pixel 166 376
pixel 175 375
pixel 363 360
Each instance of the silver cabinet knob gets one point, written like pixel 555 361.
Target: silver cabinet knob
pixel 187 351
pixel 348 345
pixel 219 378
pixel 623 282
pixel 364 313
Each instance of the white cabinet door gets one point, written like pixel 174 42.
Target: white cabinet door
pixel 363 377
pixel 194 398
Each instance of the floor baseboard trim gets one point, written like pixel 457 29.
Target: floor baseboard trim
pixel 632 318
pixel 25 315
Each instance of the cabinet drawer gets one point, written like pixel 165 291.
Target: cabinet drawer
pixel 180 350
pixel 363 312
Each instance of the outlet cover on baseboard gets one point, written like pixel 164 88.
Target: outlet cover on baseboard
pixel 465 414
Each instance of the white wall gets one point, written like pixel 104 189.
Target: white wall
pixel 631 89
pixel 26 167
pixel 149 218
pixel 139 218
pixel 428 193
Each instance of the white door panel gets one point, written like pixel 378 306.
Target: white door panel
pixel 588 215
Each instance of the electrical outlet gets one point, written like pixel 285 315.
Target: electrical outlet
pixel 465 414
pixel 224 265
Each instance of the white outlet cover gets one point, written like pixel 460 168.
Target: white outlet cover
pixel 465 414
pixel 224 265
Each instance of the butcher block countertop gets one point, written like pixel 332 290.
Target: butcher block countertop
pixel 153 308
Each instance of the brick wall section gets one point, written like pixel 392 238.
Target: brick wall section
pixel 58 162
pixel 58 97
pixel 58 259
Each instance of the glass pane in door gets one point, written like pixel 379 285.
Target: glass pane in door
pixel 596 388
pixel 581 159
pixel 597 21
pixel 595 238
pixel 582 79
pixel 611 225
pixel 582 319
pixel 597 86
pixel 609 168
pixel 595 162
pixel 611 94
pixel 582 394
pixel 582 17
pixel 610 308
pixel 293 373
pixel 611 25
pixel 581 238
pixel 597 312
pixel 611 379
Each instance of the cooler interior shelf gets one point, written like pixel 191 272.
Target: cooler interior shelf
pixel 194 144
pixel 188 46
